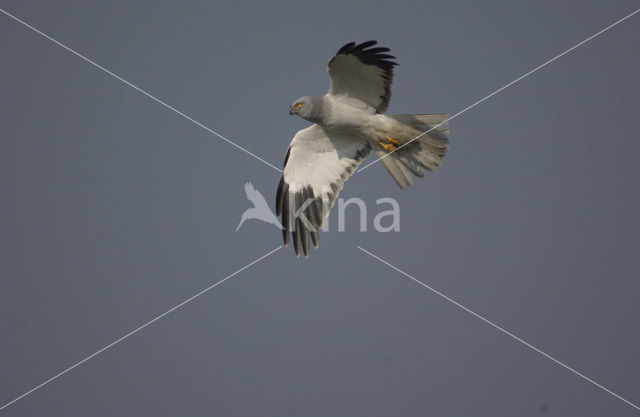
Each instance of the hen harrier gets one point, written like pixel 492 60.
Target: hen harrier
pixel 348 122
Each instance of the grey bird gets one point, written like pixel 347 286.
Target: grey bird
pixel 348 122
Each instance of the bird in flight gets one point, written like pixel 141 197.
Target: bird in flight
pixel 349 122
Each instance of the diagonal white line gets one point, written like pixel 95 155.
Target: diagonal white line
pixel 506 86
pixel 139 89
pixel 499 328
pixel 138 329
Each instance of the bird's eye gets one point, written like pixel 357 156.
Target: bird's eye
pixel 298 105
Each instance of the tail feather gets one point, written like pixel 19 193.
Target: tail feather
pixel 437 121
pixel 391 165
pixel 417 155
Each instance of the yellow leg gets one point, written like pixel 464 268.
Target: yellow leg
pixel 387 146
pixel 394 141
pixel 388 143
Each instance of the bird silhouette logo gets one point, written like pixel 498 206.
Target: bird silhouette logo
pixel 260 209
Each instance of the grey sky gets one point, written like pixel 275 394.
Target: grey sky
pixel 115 209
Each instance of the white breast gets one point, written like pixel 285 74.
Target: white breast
pixel 349 115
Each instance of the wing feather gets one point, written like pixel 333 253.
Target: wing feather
pixel 317 165
pixel 364 73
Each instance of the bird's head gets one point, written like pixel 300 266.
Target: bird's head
pixel 302 107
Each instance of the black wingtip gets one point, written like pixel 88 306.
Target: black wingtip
pixel 345 48
pixel 368 55
pixel 364 45
pixel 314 238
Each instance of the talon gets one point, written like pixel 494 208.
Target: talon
pixel 387 146
pixel 388 139
pixel 388 143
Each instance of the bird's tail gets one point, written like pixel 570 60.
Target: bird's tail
pixel 410 151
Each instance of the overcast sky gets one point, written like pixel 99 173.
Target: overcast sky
pixel 114 209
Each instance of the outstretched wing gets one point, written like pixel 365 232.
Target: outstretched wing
pixel 317 164
pixel 364 73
